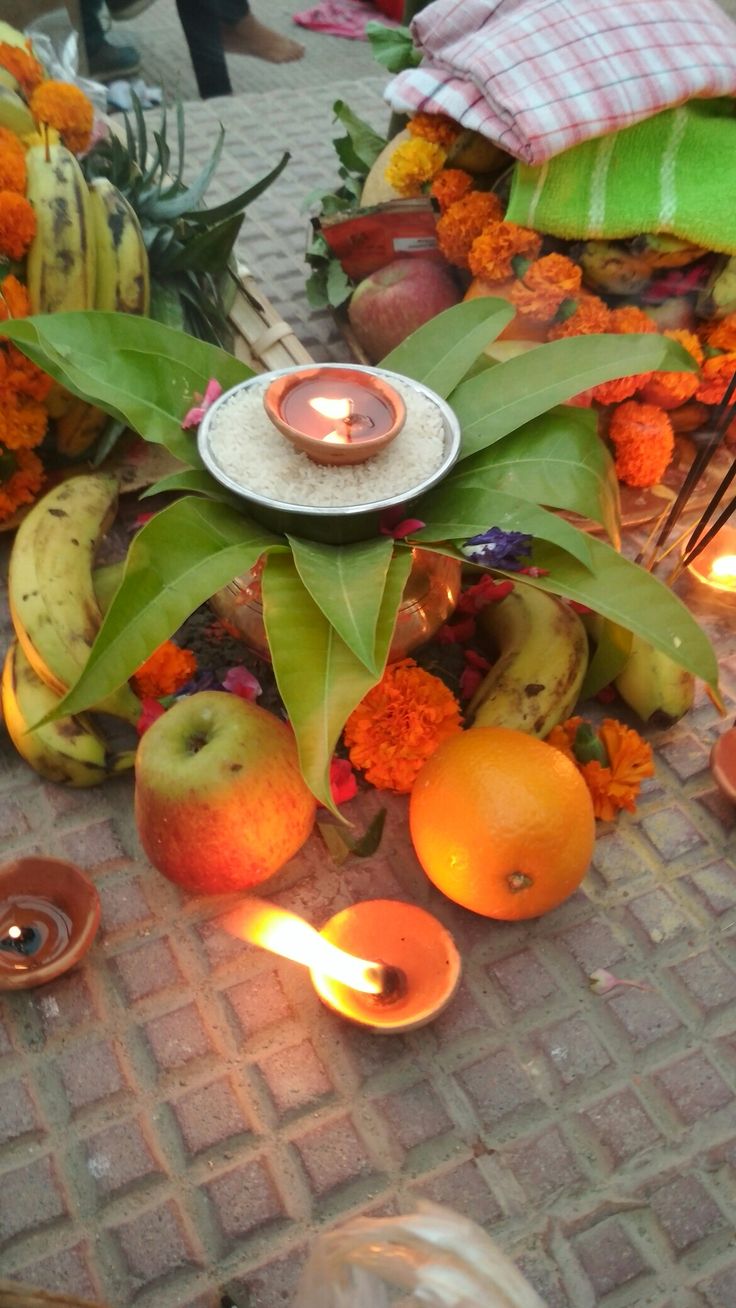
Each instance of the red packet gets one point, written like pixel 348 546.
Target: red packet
pixel 367 239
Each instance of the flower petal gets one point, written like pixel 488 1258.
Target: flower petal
pixel 239 681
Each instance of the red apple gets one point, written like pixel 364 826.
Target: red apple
pixel 219 799
pixel 392 303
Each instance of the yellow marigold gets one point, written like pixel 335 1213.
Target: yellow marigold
pixel 464 221
pixel 17 224
pixel 722 334
pixel 14 302
pixel 544 285
pixel 437 128
pixel 399 724
pixel 21 478
pixel 671 389
pixel 413 164
pixel 644 441
pixel 166 671
pixel 715 376
pixel 492 253
pixel 589 318
pixel 65 107
pixel 630 319
pixel 22 66
pixel 450 185
pixel 24 377
pixel 23 421
pixel 12 163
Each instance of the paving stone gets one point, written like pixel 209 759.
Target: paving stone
pixel 6 1044
pixel 622 1125
pixel 573 1050
pixel 119 1156
pixel 66 1004
pixel 273 1284
pixel 177 1038
pixel 463 1189
pixel 91 1072
pixel 18 1112
pixel 524 981
pixel 92 846
pixel 687 756
pixel 13 821
pixel 151 969
pixel 244 1199
pixel 463 1015
pixel 608 1256
pixel 124 905
pixel 333 1156
pixel 720 808
pixel 30 1198
pixel 68 1272
pixel 644 1016
pixel 672 833
pixel 415 1115
pixel 209 1115
pixel 542 1164
pixel 686 1212
pixel 296 1077
pixel 258 1003
pixel 154 1244
pixel 720 1290
pixel 593 944
pixel 716 886
pixel 694 1087
pixel 659 916
pixel 544 1279
pixel 498 1086
pixel 709 982
pixel 615 858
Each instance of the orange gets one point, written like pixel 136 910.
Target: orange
pixel 502 823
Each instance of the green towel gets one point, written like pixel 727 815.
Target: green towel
pixel 675 173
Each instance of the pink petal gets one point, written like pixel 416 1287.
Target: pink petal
pixel 194 416
pixel 470 681
pixel 212 393
pixel 150 711
pixel 343 783
pixel 239 681
pixel 601 981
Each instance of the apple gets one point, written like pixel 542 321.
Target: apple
pixel 220 802
pixel 393 302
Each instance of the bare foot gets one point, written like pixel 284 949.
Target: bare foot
pixel 249 37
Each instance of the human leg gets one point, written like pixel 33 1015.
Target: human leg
pixel 106 61
pixel 199 20
pixel 243 34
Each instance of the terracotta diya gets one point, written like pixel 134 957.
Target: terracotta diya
pixel 723 763
pixel 49 914
pixel 335 415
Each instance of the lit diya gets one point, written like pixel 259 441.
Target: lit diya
pixel 412 983
pixel 49 915
pixel 723 763
pixel 715 566
pixel 335 415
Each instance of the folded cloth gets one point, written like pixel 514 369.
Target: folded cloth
pixel 674 173
pixel 540 76
pixel 346 18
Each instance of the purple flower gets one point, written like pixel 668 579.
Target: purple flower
pixel 239 681
pixel 507 550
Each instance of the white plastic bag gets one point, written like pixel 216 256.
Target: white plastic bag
pixel 56 44
pixel 439 1259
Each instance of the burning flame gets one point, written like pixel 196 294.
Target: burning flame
pixel 291 937
pixel 15 932
pixel 339 411
pixel 724 568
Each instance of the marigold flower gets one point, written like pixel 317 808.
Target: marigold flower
pixel 17 224
pixel 399 724
pixel 437 128
pixel 413 164
pixel 671 389
pixel 12 163
pixel 449 186
pixel 715 377
pixel 622 322
pixel 166 671
pixel 22 66
pixel 21 478
pixel 545 284
pixel 464 221
pixel 23 421
pixel 644 440
pixel 629 318
pixel 590 317
pixel 492 253
pixel 721 334
pixel 24 377
pixel 65 107
pixel 613 785
pixel 14 302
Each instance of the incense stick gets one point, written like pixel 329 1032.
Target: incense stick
pixel 710 533
pixel 711 508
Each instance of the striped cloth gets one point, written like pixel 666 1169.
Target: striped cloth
pixel 674 173
pixel 540 76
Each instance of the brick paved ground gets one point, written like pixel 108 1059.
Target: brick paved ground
pixel 180 1114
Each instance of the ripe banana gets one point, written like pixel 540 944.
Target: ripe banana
pixel 7 80
pixel 656 688
pixel 60 270
pixel 14 115
pixel 78 427
pixel 10 35
pixel 718 298
pixel 122 283
pixel 541 658
pixel 68 750
pixel 50 590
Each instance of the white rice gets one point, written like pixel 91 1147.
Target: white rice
pixel 247 446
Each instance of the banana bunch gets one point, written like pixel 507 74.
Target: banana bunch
pixel 53 605
pixel 541 651
pixel 122 282
pixel 658 690
pixel 15 116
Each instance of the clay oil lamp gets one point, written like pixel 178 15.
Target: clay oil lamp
pixel 715 566
pixel 723 763
pixel 335 415
pixel 49 914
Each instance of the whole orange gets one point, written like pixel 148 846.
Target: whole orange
pixel 502 823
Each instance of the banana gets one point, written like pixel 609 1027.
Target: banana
pixel 50 590
pixel 608 267
pixel 105 581
pixel 656 688
pixel 542 657
pixel 77 429
pixel 122 282
pixel 68 750
pixel 14 114
pixel 718 298
pixel 60 271
pixel 7 80
pixel 10 35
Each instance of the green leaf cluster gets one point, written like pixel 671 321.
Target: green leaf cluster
pixel 392 47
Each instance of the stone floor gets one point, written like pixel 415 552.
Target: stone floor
pixel 181 1115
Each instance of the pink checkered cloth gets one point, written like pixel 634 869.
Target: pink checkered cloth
pixel 539 76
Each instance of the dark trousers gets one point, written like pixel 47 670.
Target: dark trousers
pixel 201 20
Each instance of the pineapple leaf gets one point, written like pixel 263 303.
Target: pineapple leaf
pixel 175 207
pixel 209 249
pixel 142 133
pixel 129 140
pixel 204 217
pixel 181 142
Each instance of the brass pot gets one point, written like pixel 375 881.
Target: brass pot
pixel 430 595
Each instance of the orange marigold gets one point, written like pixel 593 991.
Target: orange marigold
pixel 166 671
pixel 464 221
pixel 449 186
pixel 492 253
pixel 65 107
pixel 14 302
pixel 21 478
pixel 544 285
pixel 622 322
pixel 630 319
pixel 614 785
pixel 12 163
pixel 671 389
pixel 22 66
pixel 17 224
pixel 437 128
pixel 722 333
pixel 563 736
pixel 398 724
pixel 24 377
pixel 23 421
pixel 413 164
pixel 644 440
pixel 716 374
pixel 589 318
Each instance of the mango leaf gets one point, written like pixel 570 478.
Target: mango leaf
pixel 392 46
pixel 556 459
pixel 625 593
pixel 460 512
pixel 196 480
pixel 440 353
pixel 347 583
pixel 366 144
pixel 611 654
pixel 496 402
pixel 140 371
pixel 177 560
pixel 319 678
pixel 341 845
